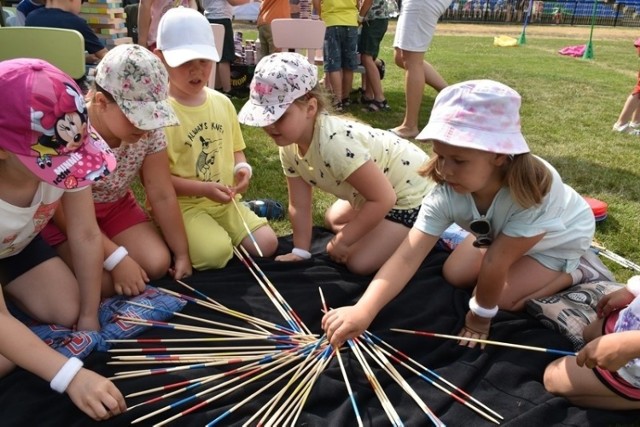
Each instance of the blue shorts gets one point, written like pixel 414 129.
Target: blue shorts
pixel 340 47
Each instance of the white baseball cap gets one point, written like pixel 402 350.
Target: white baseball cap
pixel 278 80
pixel 184 34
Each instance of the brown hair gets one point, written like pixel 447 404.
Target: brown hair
pixel 527 177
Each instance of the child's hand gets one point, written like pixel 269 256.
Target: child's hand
pixel 289 257
pixel 129 278
pixel 218 192
pixel 95 395
pixel 338 251
pixel 241 178
pixel 345 323
pixel 608 352
pixel 181 267
pixel 613 301
pixel 474 327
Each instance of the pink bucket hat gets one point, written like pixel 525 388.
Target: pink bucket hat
pixel 636 43
pixel 46 125
pixel 139 83
pixel 479 114
pixel 278 80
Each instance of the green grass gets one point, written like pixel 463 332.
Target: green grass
pixel 569 106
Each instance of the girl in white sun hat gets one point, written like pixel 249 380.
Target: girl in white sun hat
pixel 530 232
pixel 373 173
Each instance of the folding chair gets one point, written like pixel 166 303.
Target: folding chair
pixel 218 38
pixel 301 35
pixel 60 47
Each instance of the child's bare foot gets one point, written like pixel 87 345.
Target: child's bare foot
pixel 406 133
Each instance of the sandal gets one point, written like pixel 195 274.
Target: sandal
pixel 266 208
pixel 381 68
pixel 375 106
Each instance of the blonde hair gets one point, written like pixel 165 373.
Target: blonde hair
pixel 528 179
pixel 322 98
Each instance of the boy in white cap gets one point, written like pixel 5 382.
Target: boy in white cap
pixel 49 152
pixel 129 108
pixel 530 232
pixel 208 166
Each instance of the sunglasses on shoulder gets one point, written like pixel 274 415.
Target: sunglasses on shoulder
pixel 481 227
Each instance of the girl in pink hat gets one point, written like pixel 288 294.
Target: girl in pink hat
pixel 629 119
pixel 529 232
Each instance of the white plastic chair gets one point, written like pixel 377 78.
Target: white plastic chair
pixel 218 38
pixel 301 35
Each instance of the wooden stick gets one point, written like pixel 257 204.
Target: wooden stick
pixel 352 397
pixel 490 342
pixel 384 363
pixel 246 227
pixel 275 292
pixel 434 374
pixel 601 250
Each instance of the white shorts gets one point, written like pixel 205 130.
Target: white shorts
pixel 417 23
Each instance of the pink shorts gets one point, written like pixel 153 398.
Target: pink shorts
pixel 612 380
pixel 636 89
pixel 113 218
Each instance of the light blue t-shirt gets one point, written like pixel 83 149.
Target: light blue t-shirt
pixel 563 215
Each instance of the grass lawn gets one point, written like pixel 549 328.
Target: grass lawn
pixel 569 106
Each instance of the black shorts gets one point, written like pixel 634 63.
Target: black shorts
pixel 371 36
pixel 406 217
pixel 34 254
pixel 228 53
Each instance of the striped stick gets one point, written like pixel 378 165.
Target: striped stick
pixel 601 250
pixel 434 374
pixel 490 342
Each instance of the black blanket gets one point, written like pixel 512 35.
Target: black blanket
pixel 507 380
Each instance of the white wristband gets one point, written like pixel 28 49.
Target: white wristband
pixel 304 254
pixel 243 165
pixel 476 309
pixel 114 259
pixel 66 374
pixel 360 19
pixel 633 285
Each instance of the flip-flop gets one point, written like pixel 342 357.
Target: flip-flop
pixel 393 131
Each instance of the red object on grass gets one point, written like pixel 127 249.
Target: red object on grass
pixel 598 207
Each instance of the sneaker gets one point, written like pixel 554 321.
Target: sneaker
pixel 266 208
pixel 593 270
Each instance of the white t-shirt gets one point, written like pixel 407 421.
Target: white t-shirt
pixel 217 9
pixel 563 215
pixel 20 225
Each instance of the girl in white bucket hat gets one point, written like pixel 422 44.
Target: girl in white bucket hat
pixel 529 232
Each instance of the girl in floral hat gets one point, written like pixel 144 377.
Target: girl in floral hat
pixel 529 232
pixel 372 172
pixel 128 107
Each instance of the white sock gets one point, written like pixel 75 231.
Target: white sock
pixel 576 276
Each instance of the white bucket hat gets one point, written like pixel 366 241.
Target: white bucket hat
pixel 479 114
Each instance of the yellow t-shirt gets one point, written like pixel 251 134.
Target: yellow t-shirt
pixel 340 12
pixel 339 147
pixel 202 146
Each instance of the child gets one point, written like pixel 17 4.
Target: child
pixel 374 27
pixel 48 152
pixel 129 107
pixel 340 46
pixel 270 10
pixel 372 172
pixel 64 14
pixel 529 229
pixel 606 372
pixel 206 158
pixel 149 14
pixel 221 12
pixel 629 119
